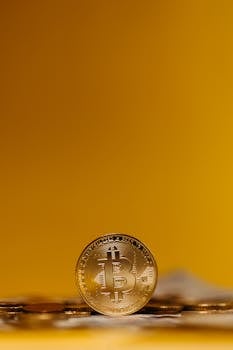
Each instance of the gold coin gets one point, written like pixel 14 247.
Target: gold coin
pixel 210 305
pixel 162 307
pixel 43 307
pixel 11 306
pixel 116 274
pixel 77 310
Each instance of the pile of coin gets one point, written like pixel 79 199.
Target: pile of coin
pixel 40 314
pixel 116 275
pixel 75 313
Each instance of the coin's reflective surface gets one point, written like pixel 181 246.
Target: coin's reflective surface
pixel 116 274
pixel 43 307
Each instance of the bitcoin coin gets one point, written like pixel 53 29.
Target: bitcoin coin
pixel 116 274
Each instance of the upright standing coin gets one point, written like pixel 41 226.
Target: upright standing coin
pixel 116 274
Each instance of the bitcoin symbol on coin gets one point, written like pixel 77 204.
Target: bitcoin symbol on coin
pixel 118 275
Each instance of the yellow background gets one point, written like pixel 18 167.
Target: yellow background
pixel 115 116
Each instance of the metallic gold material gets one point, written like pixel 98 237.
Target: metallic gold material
pixel 43 307
pixel 210 305
pixel 162 307
pixel 11 306
pixel 77 310
pixel 116 274
pixel 37 320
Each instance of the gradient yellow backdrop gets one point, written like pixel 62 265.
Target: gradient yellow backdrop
pixel 115 116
